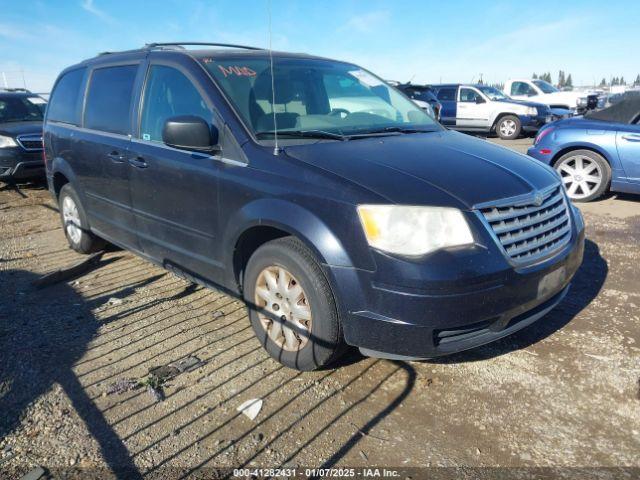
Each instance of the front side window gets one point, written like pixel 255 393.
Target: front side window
pixel 521 88
pixel 168 93
pixel 468 95
pixel 108 102
pixel 546 87
pixel 63 105
pixel 20 108
pixel 312 94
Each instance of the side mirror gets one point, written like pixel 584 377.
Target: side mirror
pixel 189 132
pixel 479 100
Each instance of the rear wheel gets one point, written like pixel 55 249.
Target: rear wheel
pixel 509 127
pixel 585 174
pixel 292 309
pixel 74 222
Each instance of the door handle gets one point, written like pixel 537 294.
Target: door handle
pixel 138 162
pixel 116 157
pixel 632 137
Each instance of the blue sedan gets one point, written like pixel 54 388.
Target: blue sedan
pixel 595 153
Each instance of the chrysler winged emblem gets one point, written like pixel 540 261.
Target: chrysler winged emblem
pixel 537 200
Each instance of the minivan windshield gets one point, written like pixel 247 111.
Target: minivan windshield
pixel 546 87
pixel 21 108
pixel 492 93
pixel 314 98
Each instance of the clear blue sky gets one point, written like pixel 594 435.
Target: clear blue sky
pixel 425 40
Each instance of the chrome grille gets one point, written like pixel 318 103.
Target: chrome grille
pixel 30 142
pixel 527 231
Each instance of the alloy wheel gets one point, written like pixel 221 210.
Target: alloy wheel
pixel 71 219
pixel 581 176
pixel 508 127
pixel 283 308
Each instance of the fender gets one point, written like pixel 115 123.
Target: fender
pixel 612 158
pixel 60 165
pixel 298 221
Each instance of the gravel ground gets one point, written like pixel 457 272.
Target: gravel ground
pixel 76 390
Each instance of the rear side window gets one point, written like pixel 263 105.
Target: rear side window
pixel 63 105
pixel 168 93
pixel 109 99
pixel 447 94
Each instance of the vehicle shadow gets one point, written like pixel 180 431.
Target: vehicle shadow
pixel 50 336
pixel 38 348
pixel 585 286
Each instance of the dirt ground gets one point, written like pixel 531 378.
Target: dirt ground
pixel 564 392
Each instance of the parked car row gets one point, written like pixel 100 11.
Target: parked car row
pixel 482 108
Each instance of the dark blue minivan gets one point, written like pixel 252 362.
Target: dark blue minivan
pixel 339 211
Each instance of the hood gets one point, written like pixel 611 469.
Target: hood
pixel 13 129
pixel 525 103
pixel 442 168
pixel 568 97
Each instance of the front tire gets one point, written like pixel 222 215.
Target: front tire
pixel 291 306
pixel 509 127
pixel 74 222
pixel 585 174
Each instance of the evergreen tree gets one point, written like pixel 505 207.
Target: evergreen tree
pixel 569 82
pixel 603 82
pixel 535 76
pixel 622 82
pixel 637 82
pixel 561 80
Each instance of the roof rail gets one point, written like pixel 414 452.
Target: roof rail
pixel 7 89
pixel 180 44
pixel 150 46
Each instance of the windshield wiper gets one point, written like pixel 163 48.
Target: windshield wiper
pixel 304 134
pixel 389 130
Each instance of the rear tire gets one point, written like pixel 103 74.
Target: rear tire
pixel 509 127
pixel 291 306
pixel 586 175
pixel 74 222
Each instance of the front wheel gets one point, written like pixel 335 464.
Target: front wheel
pixel 585 174
pixel 291 306
pixel 509 127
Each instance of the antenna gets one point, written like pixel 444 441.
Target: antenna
pixel 276 150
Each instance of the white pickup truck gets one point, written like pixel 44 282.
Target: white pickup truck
pixel 481 108
pixel 543 92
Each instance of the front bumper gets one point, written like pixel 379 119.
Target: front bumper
pixel 16 164
pixel 541 153
pixel 532 124
pixel 484 299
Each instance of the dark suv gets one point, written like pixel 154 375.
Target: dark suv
pixel 21 114
pixel 336 208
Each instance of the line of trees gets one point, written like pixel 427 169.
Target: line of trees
pixel 563 79
pixel 566 80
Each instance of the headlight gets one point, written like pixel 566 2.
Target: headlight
pixel 532 111
pixel 581 102
pixel 413 231
pixel 7 142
